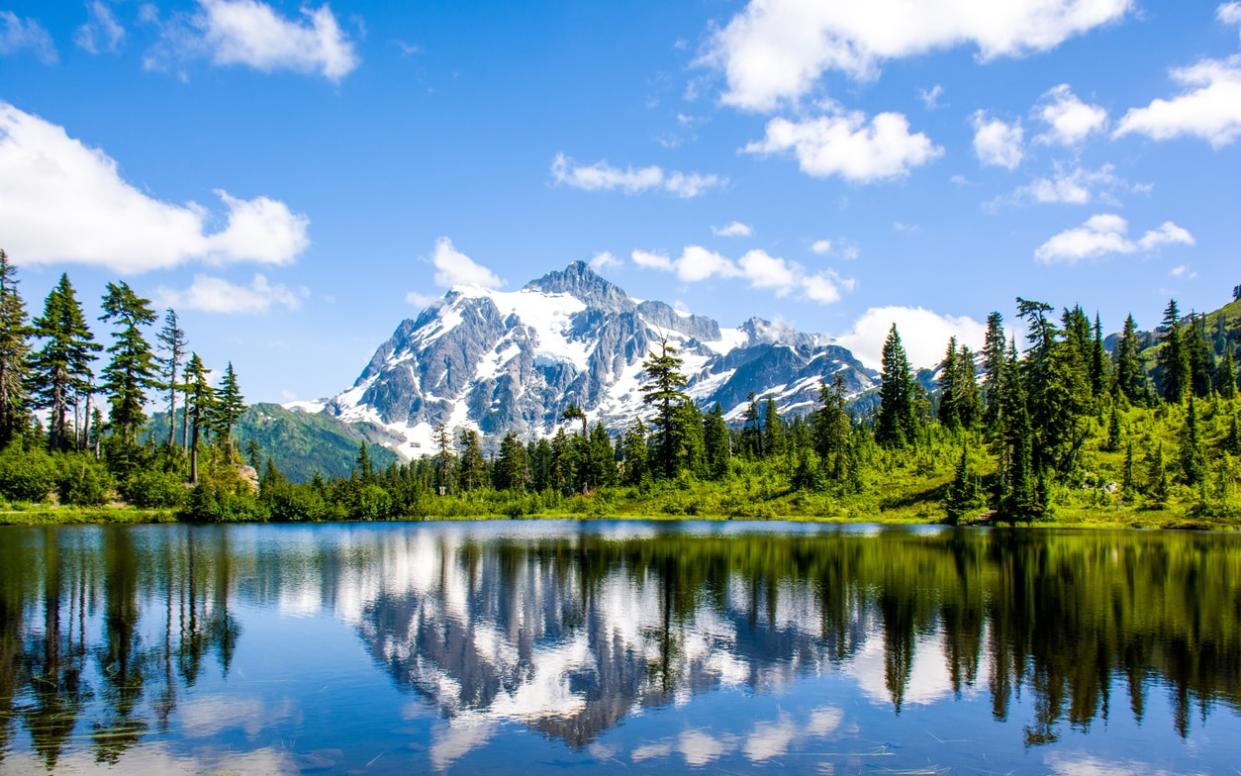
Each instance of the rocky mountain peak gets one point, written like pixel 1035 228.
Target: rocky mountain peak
pixel 579 280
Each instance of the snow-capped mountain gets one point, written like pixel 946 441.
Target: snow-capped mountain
pixel 502 361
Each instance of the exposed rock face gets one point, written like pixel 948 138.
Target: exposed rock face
pixel 504 361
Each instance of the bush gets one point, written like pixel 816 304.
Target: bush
pixel 373 503
pixel 83 481
pixel 26 475
pixel 211 503
pixel 153 489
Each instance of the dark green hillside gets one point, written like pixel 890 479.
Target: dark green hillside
pixel 302 443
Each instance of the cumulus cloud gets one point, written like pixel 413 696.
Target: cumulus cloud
pixel 996 143
pixel 602 176
pixel 774 51
pixel 1208 107
pixel 102 32
pixel 211 294
pixel 1072 185
pixel 1069 120
pixel 1229 13
pixel 759 269
pixel 821 247
pixel 25 34
pixel 604 260
pixel 1105 234
pixel 454 268
pixel 252 34
pixel 844 143
pixel 63 201
pixel 734 229
pixel 923 332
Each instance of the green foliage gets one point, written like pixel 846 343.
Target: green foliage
pixel 132 369
pixel 83 481
pixel 153 488
pixel 26 473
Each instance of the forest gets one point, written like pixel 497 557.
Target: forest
pixel 1066 426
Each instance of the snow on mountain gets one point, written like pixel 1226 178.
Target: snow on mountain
pixel 501 361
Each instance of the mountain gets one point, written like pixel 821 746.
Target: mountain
pixel 503 361
pixel 305 443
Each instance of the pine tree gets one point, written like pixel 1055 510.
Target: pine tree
pixel 1226 374
pixel 896 423
pixel 715 443
pixel 692 450
pixel 1156 477
pixel 199 407
pixel 1193 462
pixel 1113 430
pixel 229 406
pixel 172 340
pixel 473 465
pixel 752 429
pixel 969 407
pixel 1232 442
pixel 773 430
pixel 993 360
pixel 61 367
pixel 132 369
pixel 1174 378
pixel 363 470
pixel 445 463
pixel 962 495
pixel 662 389
pixel 635 453
pixel 831 422
pixel 949 415
pixel 1128 485
pixel 1130 378
pixel 574 412
pixel 1098 361
pixel 1016 491
pixel 601 459
pixel 511 470
pixel 1201 357
pixel 14 355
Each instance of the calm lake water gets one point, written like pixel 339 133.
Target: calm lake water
pixel 538 647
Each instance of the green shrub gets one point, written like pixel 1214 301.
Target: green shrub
pixel 83 481
pixel 26 475
pixel 373 503
pixel 151 488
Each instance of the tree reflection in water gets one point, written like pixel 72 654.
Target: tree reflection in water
pixel 569 629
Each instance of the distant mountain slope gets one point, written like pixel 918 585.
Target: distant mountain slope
pixel 504 361
pixel 303 443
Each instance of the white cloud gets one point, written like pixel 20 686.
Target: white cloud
pixel 18 34
pixel 1071 764
pixel 1105 234
pixel 770 739
pixel 735 229
pixel 923 332
pixel 995 143
pixel 1069 120
pixel 1229 13
pixel 454 268
pixel 1182 271
pixel 102 33
pixel 1209 106
pixel 1072 186
pixel 602 176
pixel 419 299
pixel 843 143
pixel 759 269
pixel 217 295
pixel 62 201
pixel 604 260
pixel 774 51
pixel 699 748
pixel 821 247
pixel 930 97
pixel 251 33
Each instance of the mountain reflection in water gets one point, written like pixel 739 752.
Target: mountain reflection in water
pixel 202 648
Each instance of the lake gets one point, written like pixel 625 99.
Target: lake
pixel 594 647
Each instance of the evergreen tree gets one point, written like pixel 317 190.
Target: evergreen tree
pixel 896 423
pixel 831 422
pixel 1017 481
pixel 969 406
pixel 1113 430
pixel 963 493
pixel 1226 374
pixel 949 415
pixel 574 412
pixel 1232 442
pixel 662 389
pixel 172 340
pixel 1201 358
pixel 61 367
pixel 511 471
pixel 773 430
pixel 199 406
pixel 715 443
pixel 560 472
pixel 473 465
pixel 1193 462
pixel 752 429
pixel 692 451
pixel 132 370
pixel 993 361
pixel 1174 378
pixel 229 406
pixel 445 463
pixel 1130 379
pixel 363 470
pixel 1156 477
pixel 1128 485
pixel 14 355
pixel 635 453
pixel 1098 361
pixel 601 459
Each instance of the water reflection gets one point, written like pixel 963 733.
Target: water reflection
pixel 568 631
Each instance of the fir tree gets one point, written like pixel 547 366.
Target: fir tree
pixel 962 495
pixel 1226 374
pixel 1098 361
pixel 1130 379
pixel 692 450
pixel 895 425
pixel 1128 485
pixel 132 370
pixel 473 465
pixel 1156 477
pixel 601 459
pixel 1193 462
pixel 773 430
pixel 1113 430
pixel 949 415
pixel 1232 442
pixel 574 412
pixel 511 470
pixel 831 422
pixel 199 406
pixel 633 450
pixel 715 443
pixel 993 361
pixel 752 429
pixel 969 407
pixel 61 367
pixel 1201 358
pixel 363 470
pixel 229 406
pixel 14 355
pixel 445 463
pixel 1173 360
pixel 172 340
pixel 662 389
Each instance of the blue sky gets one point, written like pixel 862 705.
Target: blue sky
pixel 295 179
